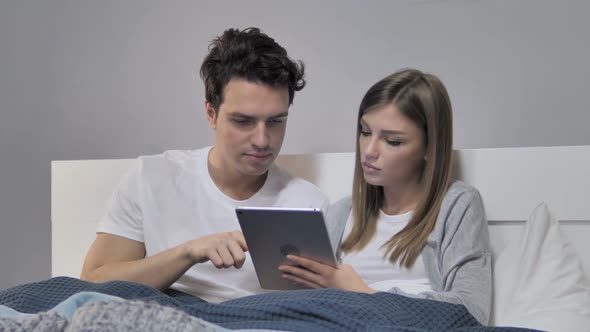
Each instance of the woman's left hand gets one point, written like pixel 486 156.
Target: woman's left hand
pixel 313 274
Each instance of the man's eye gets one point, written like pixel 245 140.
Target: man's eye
pixel 241 122
pixel 274 122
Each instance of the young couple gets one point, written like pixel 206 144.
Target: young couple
pixel 407 227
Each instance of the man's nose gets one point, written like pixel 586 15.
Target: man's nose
pixel 260 137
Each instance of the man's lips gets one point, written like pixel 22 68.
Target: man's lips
pixel 258 155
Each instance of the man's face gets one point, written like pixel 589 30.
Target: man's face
pixel 249 126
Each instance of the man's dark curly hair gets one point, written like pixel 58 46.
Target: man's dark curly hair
pixel 251 55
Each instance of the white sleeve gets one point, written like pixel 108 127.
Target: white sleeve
pixel 123 216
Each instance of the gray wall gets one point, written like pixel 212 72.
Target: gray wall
pixel 113 79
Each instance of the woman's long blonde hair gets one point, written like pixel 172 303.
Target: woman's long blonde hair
pixel 423 99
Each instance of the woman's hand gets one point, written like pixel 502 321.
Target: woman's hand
pixel 313 274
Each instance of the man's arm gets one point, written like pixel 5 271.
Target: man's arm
pixel 113 257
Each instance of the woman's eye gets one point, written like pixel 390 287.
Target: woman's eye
pixel 365 133
pixel 393 142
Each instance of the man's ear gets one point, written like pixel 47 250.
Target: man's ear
pixel 211 114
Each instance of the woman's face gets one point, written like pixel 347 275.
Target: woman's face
pixel 392 148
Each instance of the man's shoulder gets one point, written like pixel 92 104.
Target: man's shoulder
pixel 173 156
pixel 283 176
pixel 170 163
pixel 288 183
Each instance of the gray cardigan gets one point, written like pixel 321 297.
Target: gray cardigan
pixel 457 254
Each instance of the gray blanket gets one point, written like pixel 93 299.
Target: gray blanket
pixel 147 309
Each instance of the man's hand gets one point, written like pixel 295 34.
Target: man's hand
pixel 113 257
pixel 313 274
pixel 223 249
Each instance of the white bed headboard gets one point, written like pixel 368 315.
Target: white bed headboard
pixel 512 182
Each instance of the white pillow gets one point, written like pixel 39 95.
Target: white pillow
pixel 539 281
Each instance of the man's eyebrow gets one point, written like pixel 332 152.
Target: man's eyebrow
pixel 241 115
pixel 282 115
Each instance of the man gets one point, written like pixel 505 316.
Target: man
pixel 171 222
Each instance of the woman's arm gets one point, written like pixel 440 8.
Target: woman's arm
pixel 462 258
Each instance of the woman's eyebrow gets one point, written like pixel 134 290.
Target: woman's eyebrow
pixel 393 132
pixel 385 131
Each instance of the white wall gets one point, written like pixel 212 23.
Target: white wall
pixel 110 79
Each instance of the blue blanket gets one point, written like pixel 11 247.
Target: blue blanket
pixel 303 310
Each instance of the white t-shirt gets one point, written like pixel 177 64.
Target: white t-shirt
pixel 376 269
pixel 170 199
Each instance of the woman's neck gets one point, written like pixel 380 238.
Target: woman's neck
pixel 401 199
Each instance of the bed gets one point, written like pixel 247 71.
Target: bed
pixel 539 263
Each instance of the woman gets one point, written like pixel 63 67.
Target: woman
pixel 408 228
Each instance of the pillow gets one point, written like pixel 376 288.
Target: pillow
pixel 539 281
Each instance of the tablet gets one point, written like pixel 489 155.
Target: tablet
pixel 273 233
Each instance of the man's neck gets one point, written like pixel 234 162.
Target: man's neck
pixel 231 182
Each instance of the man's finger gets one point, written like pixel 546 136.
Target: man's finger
pixel 228 259
pixel 239 237
pixel 215 259
pixel 237 253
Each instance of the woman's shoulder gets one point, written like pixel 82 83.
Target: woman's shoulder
pixel 336 218
pixel 341 207
pixel 459 190
pixel 343 202
pixel 461 198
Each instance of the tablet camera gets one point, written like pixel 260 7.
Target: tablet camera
pixel 289 249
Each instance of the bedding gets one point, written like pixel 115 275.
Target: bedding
pixel 301 310
pixel 539 281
